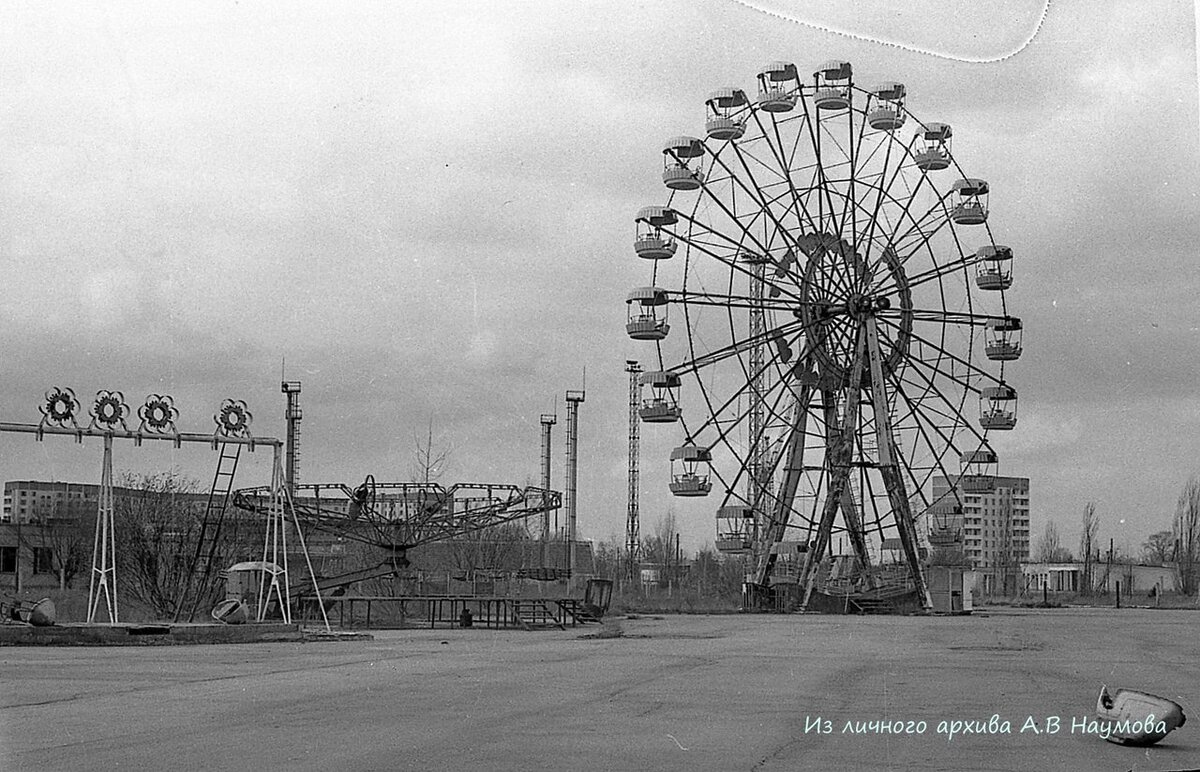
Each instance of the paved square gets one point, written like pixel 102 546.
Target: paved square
pixel 686 692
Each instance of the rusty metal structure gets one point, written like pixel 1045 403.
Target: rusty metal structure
pixel 844 308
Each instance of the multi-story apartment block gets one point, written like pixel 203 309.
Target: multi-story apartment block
pixel 994 527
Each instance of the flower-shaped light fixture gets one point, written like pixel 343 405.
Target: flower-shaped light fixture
pixel 158 414
pixel 60 408
pixel 233 419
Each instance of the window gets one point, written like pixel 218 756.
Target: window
pixel 43 560
pixel 8 560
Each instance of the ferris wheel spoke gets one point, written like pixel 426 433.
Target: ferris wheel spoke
pixel 924 425
pixel 738 347
pixel 955 416
pixel 962 263
pixel 762 201
pixel 967 318
pixel 924 435
pixel 719 416
pixel 732 263
pixel 971 368
pixel 873 220
pixel 786 167
pixel 923 228
pixel 735 301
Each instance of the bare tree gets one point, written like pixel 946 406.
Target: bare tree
pixel 429 459
pixel 1159 548
pixel 1087 546
pixel 659 546
pixel 1050 549
pixel 67 541
pixel 496 548
pixel 1186 531
pixel 158 519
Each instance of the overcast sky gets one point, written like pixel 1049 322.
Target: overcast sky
pixel 427 210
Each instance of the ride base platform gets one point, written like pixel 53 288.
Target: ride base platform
pixel 161 634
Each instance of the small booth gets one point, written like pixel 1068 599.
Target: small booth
pixel 832 85
pixel 650 242
pixel 726 106
pixel 886 111
pixel 681 165
pixel 646 309
pixel 662 406
pixel 933 152
pixel 950 589
pixel 691 468
pixel 778 84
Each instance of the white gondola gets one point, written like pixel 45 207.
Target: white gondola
pixel 971 208
pixel 725 110
pixel 887 107
pixel 662 405
pixel 778 84
pixel 735 529
pixel 832 85
pixel 647 314
pixel 681 165
pixel 995 267
pixel 998 407
pixel 934 147
pixel 1002 339
pixel 691 467
pixel 979 470
pixel 650 242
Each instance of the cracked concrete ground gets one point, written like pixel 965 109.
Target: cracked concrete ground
pixel 687 692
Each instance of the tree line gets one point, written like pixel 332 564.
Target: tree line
pixel 1180 545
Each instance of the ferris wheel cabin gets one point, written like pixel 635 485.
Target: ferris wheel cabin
pixel 944 518
pixel 998 407
pixel 645 320
pixel 1002 339
pixel 832 85
pixel 979 470
pixel 735 529
pixel 887 109
pixel 995 267
pixel 723 106
pixel 778 83
pixel 681 169
pixel 934 147
pixel 662 406
pixel 650 242
pixel 691 468
pixel 971 208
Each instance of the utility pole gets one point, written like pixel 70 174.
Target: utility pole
pixel 633 537
pixel 548 420
pixel 574 398
pixel 293 415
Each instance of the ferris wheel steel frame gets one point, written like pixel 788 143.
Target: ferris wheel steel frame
pixel 856 319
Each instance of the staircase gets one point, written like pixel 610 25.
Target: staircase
pixel 579 613
pixel 531 614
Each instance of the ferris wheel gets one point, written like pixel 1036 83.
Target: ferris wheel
pixel 830 314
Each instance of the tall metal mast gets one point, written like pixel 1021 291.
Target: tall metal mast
pixel 569 495
pixel 291 470
pixel 548 420
pixel 633 536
